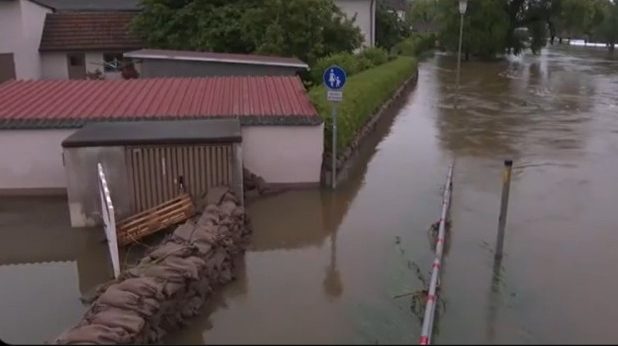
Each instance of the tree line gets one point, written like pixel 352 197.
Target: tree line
pixel 494 27
pixel 306 29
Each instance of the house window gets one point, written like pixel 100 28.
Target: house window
pixel 112 62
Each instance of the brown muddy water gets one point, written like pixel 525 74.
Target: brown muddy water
pixel 324 267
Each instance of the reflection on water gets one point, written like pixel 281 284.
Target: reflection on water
pixel 45 266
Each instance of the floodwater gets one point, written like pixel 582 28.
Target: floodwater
pixel 325 267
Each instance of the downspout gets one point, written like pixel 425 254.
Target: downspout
pixel 372 34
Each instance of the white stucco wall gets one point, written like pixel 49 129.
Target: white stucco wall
pixel 10 29
pixel 284 154
pixel 21 27
pixel 94 62
pixel 55 65
pixel 32 159
pixel 365 16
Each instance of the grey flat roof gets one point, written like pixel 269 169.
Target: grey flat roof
pixel 155 133
pixel 250 59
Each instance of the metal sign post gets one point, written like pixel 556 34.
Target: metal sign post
pixel 334 80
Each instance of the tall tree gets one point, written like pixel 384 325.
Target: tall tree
pixel 390 29
pixel 307 29
pixel 423 15
pixel 575 16
pixel 486 25
pixel 608 29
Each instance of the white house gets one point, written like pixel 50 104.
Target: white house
pixel 80 44
pixel 365 12
pixel 63 39
pixel 21 27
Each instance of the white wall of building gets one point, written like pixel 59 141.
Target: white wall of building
pixel 10 29
pixel 284 154
pixel 94 62
pixel 32 159
pixel 55 65
pixel 32 20
pixel 21 27
pixel 365 16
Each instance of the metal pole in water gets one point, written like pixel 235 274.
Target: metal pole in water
pixel 334 164
pixel 461 22
pixel 504 203
pixel 432 296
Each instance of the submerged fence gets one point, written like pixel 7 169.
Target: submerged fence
pixel 432 295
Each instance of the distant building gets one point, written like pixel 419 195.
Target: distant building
pixel 400 7
pixel 365 13
pixel 62 39
pixel 77 45
pixel 153 63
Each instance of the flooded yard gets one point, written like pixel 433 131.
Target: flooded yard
pixel 325 267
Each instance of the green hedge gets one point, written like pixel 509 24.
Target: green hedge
pixel 364 94
pixel 415 45
pixel 351 63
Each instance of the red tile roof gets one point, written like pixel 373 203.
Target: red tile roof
pixel 73 103
pixel 252 59
pixel 81 31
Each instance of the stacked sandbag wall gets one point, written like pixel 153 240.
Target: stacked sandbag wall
pixel 172 282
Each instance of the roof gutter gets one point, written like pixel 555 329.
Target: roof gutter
pixel 372 10
pixel 229 61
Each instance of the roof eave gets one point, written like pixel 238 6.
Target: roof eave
pixel 49 124
pixel 83 49
pixel 205 59
pixel 43 5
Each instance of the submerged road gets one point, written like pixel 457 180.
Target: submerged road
pixel 324 267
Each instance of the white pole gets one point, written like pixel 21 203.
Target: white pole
pixel 432 296
pixel 334 158
pixel 109 220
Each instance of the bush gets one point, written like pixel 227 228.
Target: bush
pixel 348 61
pixel 351 63
pixel 415 45
pixel 377 56
pixel 364 94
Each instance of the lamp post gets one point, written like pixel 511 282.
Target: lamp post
pixel 463 5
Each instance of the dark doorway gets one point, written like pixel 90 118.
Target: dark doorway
pixel 7 67
pixel 77 65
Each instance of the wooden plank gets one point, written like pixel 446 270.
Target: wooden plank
pixel 154 219
pixel 179 199
pixel 155 215
pixel 170 209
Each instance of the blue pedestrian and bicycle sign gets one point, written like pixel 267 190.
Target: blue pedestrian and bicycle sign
pixel 334 78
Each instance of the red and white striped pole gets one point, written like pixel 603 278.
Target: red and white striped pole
pixel 432 296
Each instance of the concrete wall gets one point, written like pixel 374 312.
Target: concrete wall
pixel 21 27
pixel 82 183
pixel 365 16
pixel 284 154
pixel 237 172
pixel 54 65
pixel 31 159
pixel 151 68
